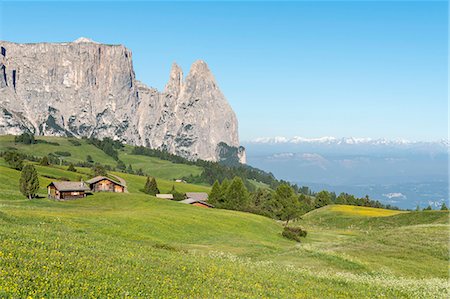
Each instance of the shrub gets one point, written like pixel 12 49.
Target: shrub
pixel 14 160
pixel 44 161
pixel 71 168
pixel 89 159
pixel 98 170
pixel 75 142
pixel 46 142
pixel 25 138
pixel 293 233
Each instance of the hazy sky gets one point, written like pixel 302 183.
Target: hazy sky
pixel 359 68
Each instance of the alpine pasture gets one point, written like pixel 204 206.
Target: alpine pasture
pixel 135 245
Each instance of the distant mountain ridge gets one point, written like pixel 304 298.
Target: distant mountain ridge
pixel 87 89
pixel 343 140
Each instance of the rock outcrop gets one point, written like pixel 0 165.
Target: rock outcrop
pixel 85 89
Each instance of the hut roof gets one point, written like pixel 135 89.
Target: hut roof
pixel 70 186
pixel 99 178
pixel 191 201
pixel 165 196
pixel 197 195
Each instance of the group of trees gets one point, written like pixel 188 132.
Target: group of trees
pixel 151 187
pixel 429 208
pixel 107 145
pixel 282 204
pixel 25 138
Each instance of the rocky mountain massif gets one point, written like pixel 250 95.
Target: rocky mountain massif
pixel 85 89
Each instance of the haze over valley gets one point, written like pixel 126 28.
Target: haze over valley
pixel 398 172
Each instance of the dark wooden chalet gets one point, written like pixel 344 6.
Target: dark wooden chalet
pixel 67 190
pixel 105 184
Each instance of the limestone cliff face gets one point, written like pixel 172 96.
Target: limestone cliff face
pixel 88 89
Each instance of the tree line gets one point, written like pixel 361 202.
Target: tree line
pixel 283 203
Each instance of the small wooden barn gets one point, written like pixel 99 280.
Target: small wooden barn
pixel 105 184
pixel 67 190
pixel 197 203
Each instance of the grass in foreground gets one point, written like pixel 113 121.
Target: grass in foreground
pixel 135 245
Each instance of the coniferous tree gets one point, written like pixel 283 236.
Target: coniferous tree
pixel 444 207
pixel 258 200
pixel 236 196
pixel 89 159
pixel 98 170
pixel 14 160
pixel 429 208
pixel 151 187
pixel 71 168
pixel 121 166
pixel 290 206
pixel 223 190
pixel 176 195
pixel 215 195
pixel 29 181
pixel 130 169
pixel 44 161
pixel 323 198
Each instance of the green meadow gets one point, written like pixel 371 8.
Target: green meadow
pixel 135 245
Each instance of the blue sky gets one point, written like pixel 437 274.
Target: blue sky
pixel 358 68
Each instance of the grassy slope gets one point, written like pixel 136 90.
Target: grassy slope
pixel 138 245
pixel 152 166
pixel 135 244
pixel 409 244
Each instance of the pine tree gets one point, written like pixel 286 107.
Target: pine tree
pixel 71 168
pixel 44 161
pixel 429 208
pixel 176 195
pixel 29 181
pixel 223 190
pixel 98 170
pixel 215 195
pixel 289 203
pixel 14 160
pixel 121 166
pixel 444 207
pixel 236 196
pixel 151 187
pixel 130 169
pixel 323 198
pixel 89 159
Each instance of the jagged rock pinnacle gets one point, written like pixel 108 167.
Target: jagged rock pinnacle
pixel 50 89
pixel 175 82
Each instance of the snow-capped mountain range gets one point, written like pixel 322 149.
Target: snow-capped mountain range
pixel 343 140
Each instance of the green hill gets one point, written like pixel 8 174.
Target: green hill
pixel 152 166
pixel 135 245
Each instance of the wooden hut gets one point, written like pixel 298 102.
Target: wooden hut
pixel 197 203
pixel 67 190
pixel 105 184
